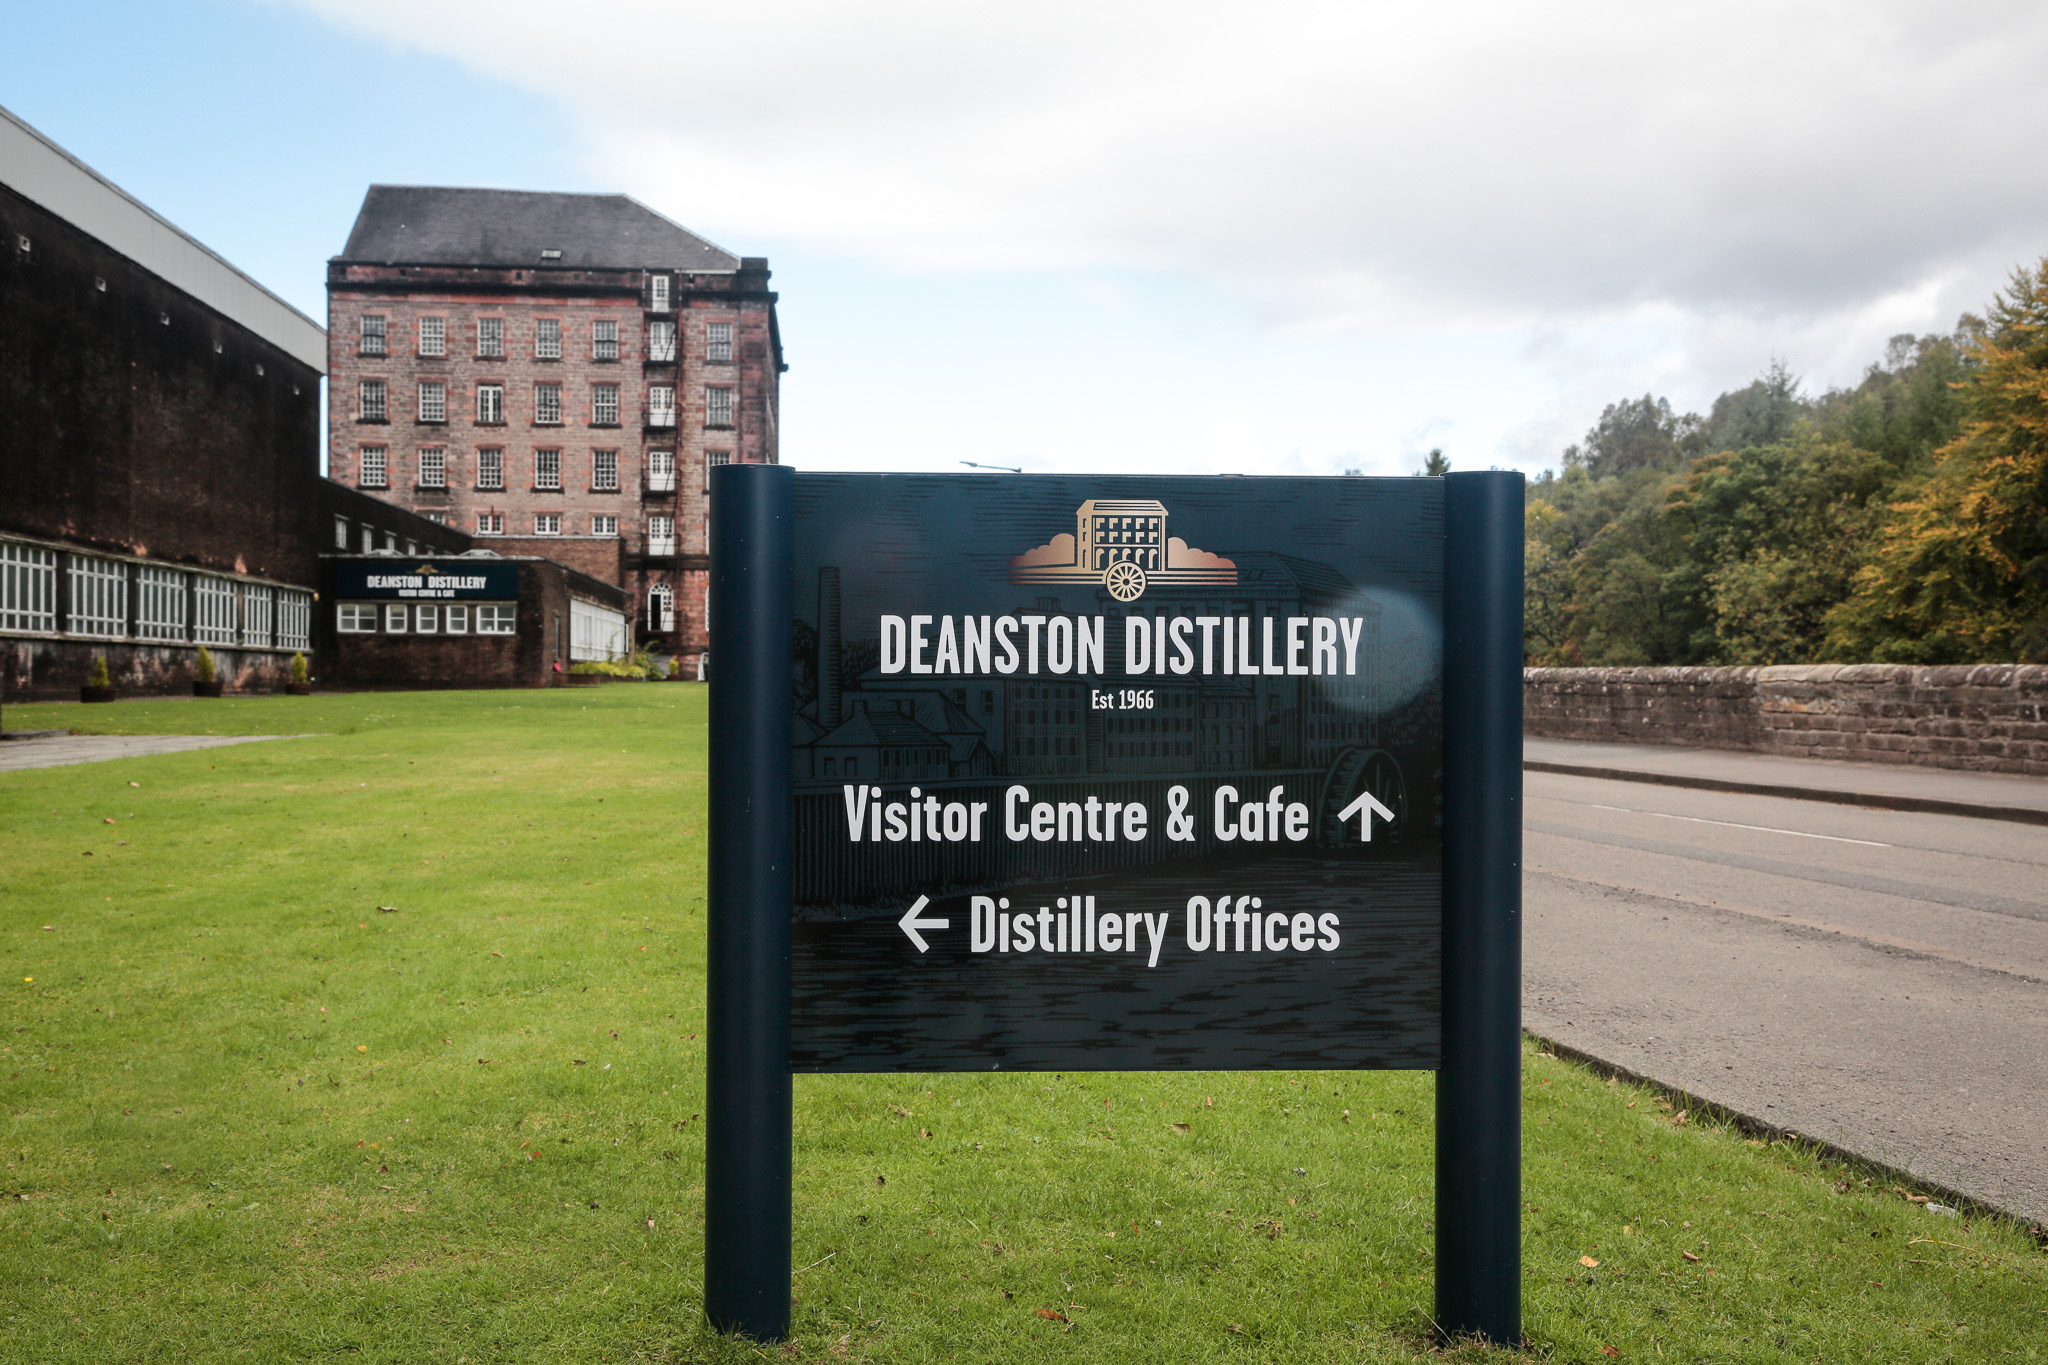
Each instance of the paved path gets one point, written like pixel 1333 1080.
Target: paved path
pixel 1877 979
pixel 63 750
pixel 1892 785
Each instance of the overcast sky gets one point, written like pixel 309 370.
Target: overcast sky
pixel 1189 237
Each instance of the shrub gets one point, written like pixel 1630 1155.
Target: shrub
pixel 207 672
pixel 99 673
pixel 300 676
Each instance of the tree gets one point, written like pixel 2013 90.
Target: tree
pixel 1639 433
pixel 1436 466
pixel 1961 572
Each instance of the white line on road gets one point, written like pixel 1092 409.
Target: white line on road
pixel 1730 824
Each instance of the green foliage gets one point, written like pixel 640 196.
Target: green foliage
pixel 1436 466
pixel 254 1117
pixel 300 674
pixel 1961 569
pixel 206 670
pixel 637 666
pixel 99 676
pixel 1736 538
pixel 675 666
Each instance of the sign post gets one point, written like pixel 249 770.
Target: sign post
pixel 1479 1083
pixel 1111 773
pixel 747 1086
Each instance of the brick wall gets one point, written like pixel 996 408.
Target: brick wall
pixel 1988 717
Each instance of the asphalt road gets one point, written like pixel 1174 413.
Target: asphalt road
pixel 1876 979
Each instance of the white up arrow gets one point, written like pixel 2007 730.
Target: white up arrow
pixel 1364 807
pixel 910 923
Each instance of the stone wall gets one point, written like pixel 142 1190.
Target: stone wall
pixel 1988 717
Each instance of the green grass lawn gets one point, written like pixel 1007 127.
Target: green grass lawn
pixel 252 1115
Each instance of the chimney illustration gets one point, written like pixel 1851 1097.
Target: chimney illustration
pixel 828 648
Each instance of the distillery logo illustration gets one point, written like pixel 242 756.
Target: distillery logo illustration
pixel 1122 544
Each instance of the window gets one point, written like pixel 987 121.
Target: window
pixel 371 469
pixel 433 336
pixel 369 541
pixel 213 610
pixel 718 343
pixel 604 525
pixel 495 618
pixel 433 467
pixel 395 614
pixel 159 603
pixel 661 608
pixel 547 338
pixel 438 518
pixel 604 340
pixel 547 469
pixel 604 471
pixel 426 620
pixel 294 619
pixel 661 406
pixel 547 523
pixel 657 294
pixel 490 403
pixel 490 338
pixel 490 523
pixel 99 597
pixel 370 401
pixel 661 341
pixel 604 404
pixel 718 407
pixel 355 618
pixel 456 620
pixel 547 404
pixel 434 402
pixel 370 336
pixel 661 535
pixel 341 533
pixel 661 471
pixel 28 588
pixel 490 467
pixel 259 609
pixel 712 460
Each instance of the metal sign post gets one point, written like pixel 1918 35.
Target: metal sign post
pixel 1114 774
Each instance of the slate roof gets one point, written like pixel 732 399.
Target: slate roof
pixel 890 729
pixel 438 225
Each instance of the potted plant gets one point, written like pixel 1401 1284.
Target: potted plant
pixel 99 687
pixel 207 683
pixel 301 683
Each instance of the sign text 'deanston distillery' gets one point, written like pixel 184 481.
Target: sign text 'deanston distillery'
pixel 1116 773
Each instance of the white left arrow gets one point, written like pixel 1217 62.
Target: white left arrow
pixel 910 924
pixel 1365 807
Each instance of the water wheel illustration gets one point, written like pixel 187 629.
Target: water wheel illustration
pixel 1126 582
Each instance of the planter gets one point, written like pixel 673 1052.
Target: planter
pixel 207 689
pixel 89 693
pixel 298 689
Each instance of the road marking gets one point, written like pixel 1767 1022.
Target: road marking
pixel 1730 824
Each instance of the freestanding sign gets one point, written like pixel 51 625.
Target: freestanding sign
pixel 1114 773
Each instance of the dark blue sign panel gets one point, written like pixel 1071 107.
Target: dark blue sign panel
pixel 1117 773
pixel 425 580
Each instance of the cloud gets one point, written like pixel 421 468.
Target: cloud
pixel 1341 164
pixel 1180 555
pixel 1059 553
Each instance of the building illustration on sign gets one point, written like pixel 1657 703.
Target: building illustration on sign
pixel 1122 544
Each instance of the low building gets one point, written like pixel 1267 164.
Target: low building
pixel 159 428
pixel 478 619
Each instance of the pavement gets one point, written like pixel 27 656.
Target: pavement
pixel 1890 786
pixel 1871 976
pixel 62 750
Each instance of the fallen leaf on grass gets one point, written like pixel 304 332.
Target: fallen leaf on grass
pixel 1588 1262
pixel 483 1061
pixel 1208 1103
pixel 1610 1350
pixel 1688 1255
pixel 387 909
pixel 924 1132
pixel 1182 1127
pixel 1679 1120
pixel 1052 1315
pixel 1235 1327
